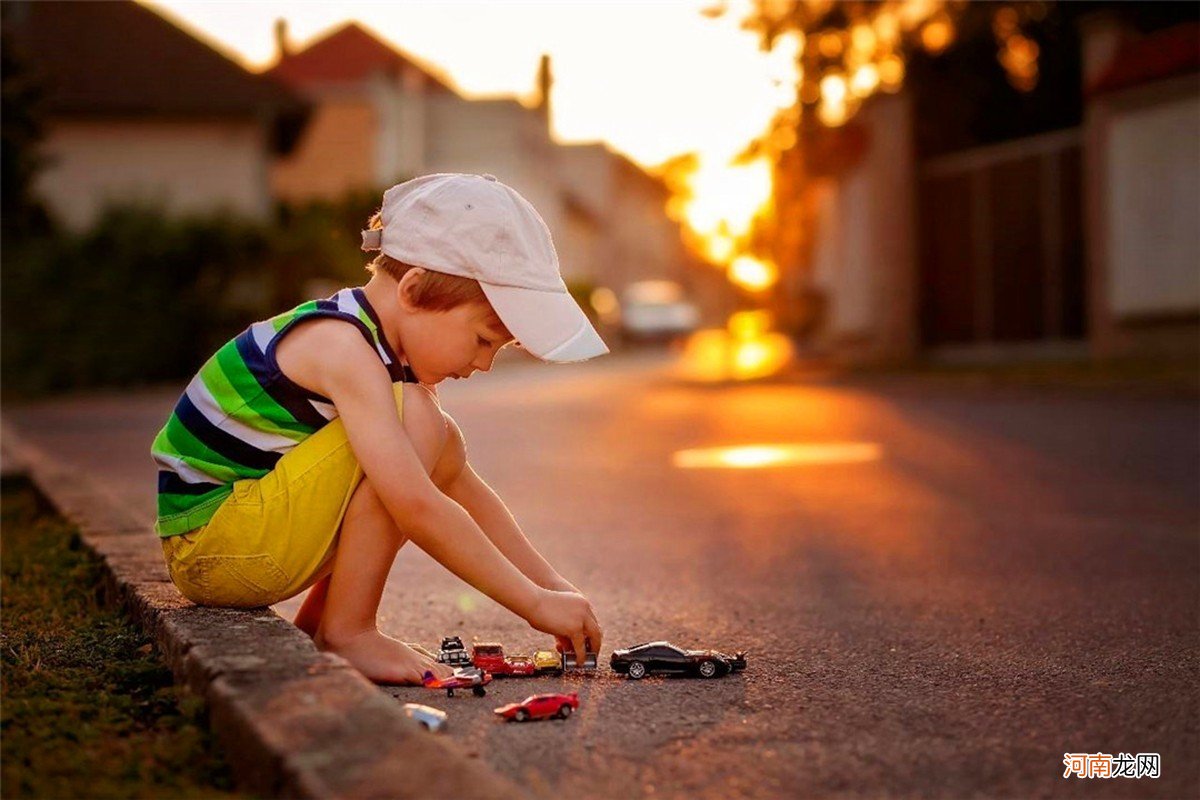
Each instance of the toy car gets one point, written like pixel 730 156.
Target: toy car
pixel 665 658
pixel 466 678
pixel 547 661
pixel 540 706
pixel 453 653
pixel 491 658
pixel 568 661
pixel 431 719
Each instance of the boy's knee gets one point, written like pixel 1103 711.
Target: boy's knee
pixel 425 425
pixel 453 458
pixel 365 501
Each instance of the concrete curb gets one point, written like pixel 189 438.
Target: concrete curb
pixel 292 721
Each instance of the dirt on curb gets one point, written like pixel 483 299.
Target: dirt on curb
pixel 89 709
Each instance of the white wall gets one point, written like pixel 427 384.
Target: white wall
pixel 863 258
pixel 505 139
pixel 180 166
pixel 402 128
pixel 1153 208
pixel 336 151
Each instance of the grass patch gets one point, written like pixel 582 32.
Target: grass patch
pixel 88 709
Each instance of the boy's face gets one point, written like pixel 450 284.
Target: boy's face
pixel 454 343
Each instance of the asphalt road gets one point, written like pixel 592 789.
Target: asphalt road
pixel 1009 576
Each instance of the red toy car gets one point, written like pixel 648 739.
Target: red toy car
pixel 540 706
pixel 491 658
pixel 465 678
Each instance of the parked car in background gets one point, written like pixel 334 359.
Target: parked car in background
pixel 656 310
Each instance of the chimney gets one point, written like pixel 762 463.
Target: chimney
pixel 545 81
pixel 282 49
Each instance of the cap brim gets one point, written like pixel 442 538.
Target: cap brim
pixel 550 325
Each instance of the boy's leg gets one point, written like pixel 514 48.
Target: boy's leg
pixel 308 618
pixel 367 545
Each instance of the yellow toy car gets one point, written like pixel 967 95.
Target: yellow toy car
pixel 547 661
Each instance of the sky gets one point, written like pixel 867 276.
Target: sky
pixel 654 79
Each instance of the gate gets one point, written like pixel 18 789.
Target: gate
pixel 1001 243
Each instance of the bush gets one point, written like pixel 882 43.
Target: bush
pixel 141 298
pixel 137 298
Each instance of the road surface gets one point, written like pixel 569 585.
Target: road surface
pixel 949 590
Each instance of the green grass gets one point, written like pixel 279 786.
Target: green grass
pixel 87 709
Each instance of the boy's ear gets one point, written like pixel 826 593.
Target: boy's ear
pixel 404 288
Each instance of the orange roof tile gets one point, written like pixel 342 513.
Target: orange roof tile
pixel 350 53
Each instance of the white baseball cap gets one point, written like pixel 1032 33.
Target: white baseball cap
pixel 474 226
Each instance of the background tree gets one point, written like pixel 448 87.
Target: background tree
pixel 19 135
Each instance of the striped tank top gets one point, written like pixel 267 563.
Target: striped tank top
pixel 240 413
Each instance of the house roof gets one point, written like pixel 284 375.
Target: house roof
pixel 120 59
pixel 349 53
pixel 650 182
pixel 1158 55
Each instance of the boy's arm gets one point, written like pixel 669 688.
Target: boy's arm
pixel 360 388
pixel 336 361
pixel 488 510
pixel 470 491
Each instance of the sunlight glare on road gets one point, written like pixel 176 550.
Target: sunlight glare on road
pixel 759 456
pixel 745 349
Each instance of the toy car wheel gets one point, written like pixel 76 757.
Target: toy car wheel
pixel 564 712
pixel 521 715
pixel 637 670
pixel 479 691
pixel 424 724
pixel 708 669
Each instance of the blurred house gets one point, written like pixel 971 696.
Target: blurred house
pixel 978 222
pixel 137 110
pixel 616 230
pixel 381 116
pixel 1142 187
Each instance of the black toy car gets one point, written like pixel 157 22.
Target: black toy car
pixel 453 653
pixel 665 658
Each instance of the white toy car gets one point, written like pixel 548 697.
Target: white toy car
pixel 431 719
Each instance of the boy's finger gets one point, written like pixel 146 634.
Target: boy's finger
pixel 595 636
pixel 580 642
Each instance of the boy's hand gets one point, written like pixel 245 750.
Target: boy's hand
pixel 567 616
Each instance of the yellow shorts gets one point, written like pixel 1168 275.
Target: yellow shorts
pixel 275 536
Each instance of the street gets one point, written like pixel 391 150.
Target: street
pixel 950 588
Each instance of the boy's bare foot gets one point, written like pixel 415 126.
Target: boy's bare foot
pixel 382 658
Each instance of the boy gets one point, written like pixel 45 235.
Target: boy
pixel 310 448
